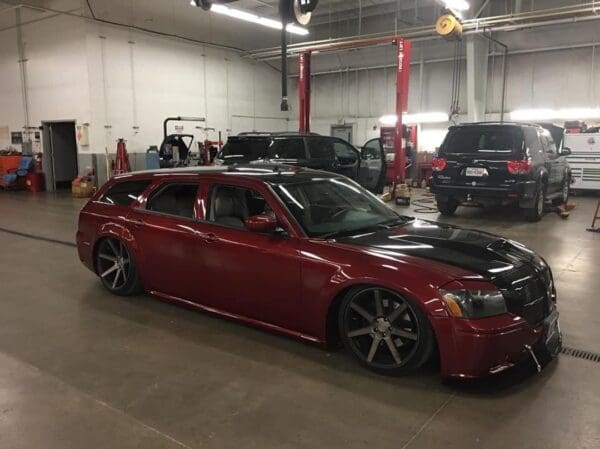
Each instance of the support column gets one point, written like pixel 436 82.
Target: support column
pixel 477 73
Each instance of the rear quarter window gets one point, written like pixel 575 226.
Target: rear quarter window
pixel 124 193
pixel 492 140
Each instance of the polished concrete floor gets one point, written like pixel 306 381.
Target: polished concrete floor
pixel 80 368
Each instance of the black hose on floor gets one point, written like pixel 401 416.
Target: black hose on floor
pixel 425 204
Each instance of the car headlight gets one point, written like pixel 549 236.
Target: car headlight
pixel 474 303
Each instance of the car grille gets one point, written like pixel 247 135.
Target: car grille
pixel 528 290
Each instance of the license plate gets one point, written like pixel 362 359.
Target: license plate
pixel 476 171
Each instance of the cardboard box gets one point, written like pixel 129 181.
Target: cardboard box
pixel 82 188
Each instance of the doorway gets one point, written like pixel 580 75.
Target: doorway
pixel 60 154
pixel 342 132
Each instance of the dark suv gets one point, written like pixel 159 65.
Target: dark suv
pixel 367 166
pixel 501 163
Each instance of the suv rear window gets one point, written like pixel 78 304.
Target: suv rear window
pixel 125 193
pixel 241 150
pixel 483 139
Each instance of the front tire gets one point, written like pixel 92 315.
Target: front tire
pixel 565 192
pixel 384 331
pixel 116 267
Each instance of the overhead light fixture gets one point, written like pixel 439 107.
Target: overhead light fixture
pixel 456 5
pixel 253 18
pixel 419 117
pixel 555 114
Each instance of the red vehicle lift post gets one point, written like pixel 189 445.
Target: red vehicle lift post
pixel 403 47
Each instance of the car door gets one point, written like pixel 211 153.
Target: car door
pixel 372 166
pixel 250 274
pixel 347 159
pixel 163 228
pixel 553 162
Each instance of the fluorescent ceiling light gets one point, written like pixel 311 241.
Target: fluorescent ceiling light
pixel 253 18
pixel 553 114
pixel 456 5
pixel 420 117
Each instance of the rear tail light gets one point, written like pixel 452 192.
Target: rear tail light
pixel 519 167
pixel 438 164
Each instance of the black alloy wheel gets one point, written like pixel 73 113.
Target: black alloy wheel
pixel 384 331
pixel 116 267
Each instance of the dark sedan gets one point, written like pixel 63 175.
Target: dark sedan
pixel 313 255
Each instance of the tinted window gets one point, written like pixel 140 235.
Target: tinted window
pixel 231 205
pixel 287 149
pixel 483 139
pixel 372 150
pixel 320 148
pixel 245 149
pixel 174 199
pixel 125 193
pixel 532 140
pixel 344 151
pixel 548 142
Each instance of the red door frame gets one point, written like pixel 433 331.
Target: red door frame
pixel 402 79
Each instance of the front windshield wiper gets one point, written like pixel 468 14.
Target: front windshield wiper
pixel 349 232
pixel 366 229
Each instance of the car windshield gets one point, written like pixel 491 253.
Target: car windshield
pixel 334 207
pixel 483 139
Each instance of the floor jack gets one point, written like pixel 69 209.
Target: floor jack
pixel 596 217
pixel 564 209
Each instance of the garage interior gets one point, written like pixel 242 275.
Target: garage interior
pixel 80 367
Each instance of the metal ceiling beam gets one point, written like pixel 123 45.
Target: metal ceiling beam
pixel 507 22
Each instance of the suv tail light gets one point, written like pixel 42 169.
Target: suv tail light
pixel 519 167
pixel 438 164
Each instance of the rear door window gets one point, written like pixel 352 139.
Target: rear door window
pixel 483 140
pixel 125 193
pixel 532 140
pixel 245 149
pixel 288 149
pixel 175 199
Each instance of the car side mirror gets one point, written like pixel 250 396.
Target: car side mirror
pixel 566 151
pixel 265 224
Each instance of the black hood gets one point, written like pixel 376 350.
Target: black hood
pixel 479 252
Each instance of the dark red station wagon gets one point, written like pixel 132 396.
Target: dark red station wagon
pixel 313 255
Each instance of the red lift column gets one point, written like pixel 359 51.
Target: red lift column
pixel 402 79
pixel 304 92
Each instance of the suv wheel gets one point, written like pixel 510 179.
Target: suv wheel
pixel 535 212
pixel 565 192
pixel 447 207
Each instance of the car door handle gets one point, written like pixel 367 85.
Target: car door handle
pixel 207 237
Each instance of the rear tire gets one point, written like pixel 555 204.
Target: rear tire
pixel 448 207
pixel 116 267
pixel 535 213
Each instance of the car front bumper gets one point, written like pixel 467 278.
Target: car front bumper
pixel 523 191
pixel 490 345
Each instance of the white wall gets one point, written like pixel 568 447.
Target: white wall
pixel 108 76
